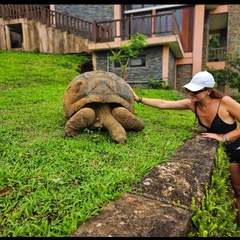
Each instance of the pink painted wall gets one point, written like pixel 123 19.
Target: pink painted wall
pixel 198 38
pixel 220 9
pixel 117 15
pixel 165 63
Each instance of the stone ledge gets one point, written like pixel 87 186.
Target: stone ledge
pixel 151 212
pixel 185 176
pixel 136 216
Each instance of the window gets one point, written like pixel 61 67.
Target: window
pixel 178 16
pixel 140 61
pixel 139 6
pixel 133 8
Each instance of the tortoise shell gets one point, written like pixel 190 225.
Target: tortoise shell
pixel 96 87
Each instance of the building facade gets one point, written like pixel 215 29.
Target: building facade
pixel 166 60
pixel 179 37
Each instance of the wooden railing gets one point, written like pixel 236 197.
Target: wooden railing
pixel 104 31
pixel 152 26
pixel 216 54
pixel 46 16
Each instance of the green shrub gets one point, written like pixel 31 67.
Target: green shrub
pixel 36 50
pixel 158 84
pixel 217 214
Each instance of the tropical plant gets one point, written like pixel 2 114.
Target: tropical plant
pixel 129 50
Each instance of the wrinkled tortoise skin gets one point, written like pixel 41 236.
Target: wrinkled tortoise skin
pixel 97 100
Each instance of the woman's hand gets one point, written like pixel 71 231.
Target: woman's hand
pixel 136 98
pixel 215 136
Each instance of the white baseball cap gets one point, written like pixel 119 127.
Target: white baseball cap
pixel 200 80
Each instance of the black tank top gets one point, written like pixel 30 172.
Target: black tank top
pixel 218 125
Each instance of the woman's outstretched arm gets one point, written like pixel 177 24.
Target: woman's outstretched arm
pixel 164 104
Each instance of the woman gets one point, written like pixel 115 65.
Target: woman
pixel 215 111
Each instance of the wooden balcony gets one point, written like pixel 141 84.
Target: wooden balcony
pixel 122 29
pixel 216 54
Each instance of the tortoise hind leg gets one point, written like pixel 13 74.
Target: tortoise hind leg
pixel 80 120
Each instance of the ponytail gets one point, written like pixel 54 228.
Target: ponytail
pixel 216 94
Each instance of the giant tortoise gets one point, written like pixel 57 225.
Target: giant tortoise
pixel 100 100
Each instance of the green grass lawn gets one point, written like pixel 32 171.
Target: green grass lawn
pixel 51 184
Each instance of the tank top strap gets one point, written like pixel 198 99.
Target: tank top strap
pixel 196 116
pixel 218 104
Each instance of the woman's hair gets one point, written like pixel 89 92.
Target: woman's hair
pixel 216 94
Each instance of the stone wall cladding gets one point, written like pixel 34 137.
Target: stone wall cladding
pixel 233 29
pixel 153 69
pixel 88 12
pixel 205 38
pixel 233 40
pixel 183 76
pixel 102 61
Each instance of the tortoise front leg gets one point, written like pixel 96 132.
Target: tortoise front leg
pixel 80 120
pixel 127 119
pixel 116 130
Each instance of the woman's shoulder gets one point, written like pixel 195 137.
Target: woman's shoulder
pixel 229 101
pixel 227 98
pixel 189 104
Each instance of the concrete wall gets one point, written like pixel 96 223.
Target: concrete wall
pixel 40 36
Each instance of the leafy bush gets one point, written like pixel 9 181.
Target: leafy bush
pixel 217 215
pixel 154 84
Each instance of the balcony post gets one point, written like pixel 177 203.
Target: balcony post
pixel 131 24
pixel 66 18
pixel 173 23
pixel 94 31
pixel 27 12
pixel 2 12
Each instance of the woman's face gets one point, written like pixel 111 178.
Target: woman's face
pixel 198 95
